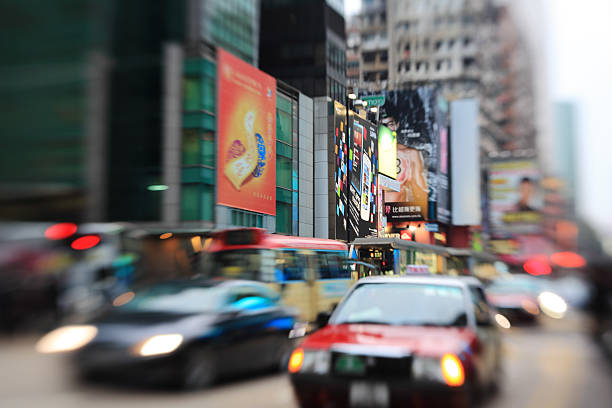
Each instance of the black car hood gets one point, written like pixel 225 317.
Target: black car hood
pixel 130 327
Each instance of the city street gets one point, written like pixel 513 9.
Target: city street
pixel 554 366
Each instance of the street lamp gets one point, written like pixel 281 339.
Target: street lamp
pixel 374 109
pixel 352 96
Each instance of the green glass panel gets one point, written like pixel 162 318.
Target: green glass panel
pixel 191 147
pixel 283 104
pixel 283 150
pixel 198 120
pixel 283 195
pixel 190 202
pixel 208 150
pixel 191 94
pixel 208 94
pixel 283 218
pixel 283 126
pixel 191 175
pixel 208 202
pixel 283 172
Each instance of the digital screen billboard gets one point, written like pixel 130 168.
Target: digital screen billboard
pixel 342 147
pixel 363 190
pixel 246 136
pixel 387 152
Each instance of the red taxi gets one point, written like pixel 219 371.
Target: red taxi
pixel 400 341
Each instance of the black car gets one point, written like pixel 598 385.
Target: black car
pixel 181 331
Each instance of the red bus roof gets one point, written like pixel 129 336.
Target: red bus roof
pixel 245 238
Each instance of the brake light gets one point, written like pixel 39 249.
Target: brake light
pixel 296 360
pixel 452 370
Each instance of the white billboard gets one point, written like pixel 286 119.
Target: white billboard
pixel 465 162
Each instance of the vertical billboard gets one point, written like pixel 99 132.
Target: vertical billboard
pixel 441 132
pixel 246 136
pixel 515 198
pixel 412 115
pixel 387 152
pixel 465 162
pixel 363 180
pixel 342 147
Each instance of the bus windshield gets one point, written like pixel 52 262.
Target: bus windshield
pixel 237 263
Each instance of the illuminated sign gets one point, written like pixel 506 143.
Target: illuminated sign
pixel 387 152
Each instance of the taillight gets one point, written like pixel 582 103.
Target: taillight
pixel 452 370
pixel 296 360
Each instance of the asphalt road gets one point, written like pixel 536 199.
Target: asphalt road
pixel 555 365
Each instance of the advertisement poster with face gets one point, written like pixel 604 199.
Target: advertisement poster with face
pixel 412 198
pixel 413 115
pixel 246 138
pixel 515 198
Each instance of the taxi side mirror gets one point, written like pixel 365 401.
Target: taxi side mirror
pixel 323 319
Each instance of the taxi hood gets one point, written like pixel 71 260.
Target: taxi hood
pixel 386 339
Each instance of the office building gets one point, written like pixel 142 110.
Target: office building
pixel 303 43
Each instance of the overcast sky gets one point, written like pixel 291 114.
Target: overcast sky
pixel 572 46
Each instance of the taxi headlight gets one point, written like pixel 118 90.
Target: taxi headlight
pixel 159 344
pixel 427 369
pixel 309 361
pixel 67 338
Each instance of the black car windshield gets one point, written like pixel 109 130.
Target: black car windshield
pixel 404 304
pixel 177 298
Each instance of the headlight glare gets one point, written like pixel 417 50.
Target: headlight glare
pixel 67 338
pixel 309 361
pixel 159 344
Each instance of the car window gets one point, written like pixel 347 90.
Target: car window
pixel 481 307
pixel 404 304
pixel 176 299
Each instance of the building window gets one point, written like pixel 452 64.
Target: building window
pixel 384 56
pixel 369 57
pixel 241 218
pixel 197 202
pixel 438 45
pixel 438 65
pixel 451 44
pixel 418 66
pixel 469 62
pixel 467 41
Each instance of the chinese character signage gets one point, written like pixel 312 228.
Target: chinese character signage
pixel 402 212
pixel 246 137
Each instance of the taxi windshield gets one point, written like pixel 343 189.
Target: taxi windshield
pixel 404 304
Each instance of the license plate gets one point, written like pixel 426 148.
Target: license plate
pixel 350 365
pixel 368 394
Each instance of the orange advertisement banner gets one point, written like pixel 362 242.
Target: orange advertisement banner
pixel 246 136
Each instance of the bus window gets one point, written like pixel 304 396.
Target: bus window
pixel 242 264
pixel 331 267
pixel 289 266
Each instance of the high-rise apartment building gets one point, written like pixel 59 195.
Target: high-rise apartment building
pixel 374 46
pixel 469 48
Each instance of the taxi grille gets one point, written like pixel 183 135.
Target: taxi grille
pixel 352 365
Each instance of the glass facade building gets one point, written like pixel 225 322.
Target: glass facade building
pixel 198 161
